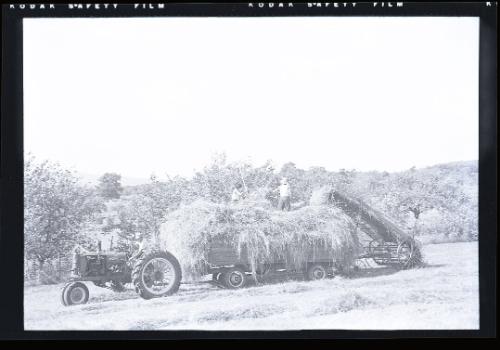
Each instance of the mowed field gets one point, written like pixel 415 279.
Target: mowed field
pixel 442 295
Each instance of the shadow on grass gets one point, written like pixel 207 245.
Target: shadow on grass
pixel 427 266
pixel 113 296
pixel 186 290
pixel 277 278
pixel 388 270
pixel 195 289
pixel 373 272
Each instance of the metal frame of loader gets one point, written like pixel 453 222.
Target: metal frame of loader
pixel 390 253
pixel 390 245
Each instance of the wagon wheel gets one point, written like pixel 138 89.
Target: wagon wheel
pixel 404 254
pixel 75 293
pixel 156 274
pixel 316 272
pixel 234 278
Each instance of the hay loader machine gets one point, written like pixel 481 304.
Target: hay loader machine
pixel 390 245
pixel 158 273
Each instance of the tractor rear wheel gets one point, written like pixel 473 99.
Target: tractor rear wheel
pixel 156 274
pixel 75 293
pixel 63 292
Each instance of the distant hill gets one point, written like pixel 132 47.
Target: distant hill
pixel 459 168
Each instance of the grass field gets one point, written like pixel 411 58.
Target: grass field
pixel 442 295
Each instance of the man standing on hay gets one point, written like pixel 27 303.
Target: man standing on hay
pixel 237 194
pixel 285 194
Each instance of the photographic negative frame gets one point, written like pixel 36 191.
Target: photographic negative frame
pixel 12 150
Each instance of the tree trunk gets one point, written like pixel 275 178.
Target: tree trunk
pixel 415 227
pixel 156 242
pixel 59 268
pixel 40 272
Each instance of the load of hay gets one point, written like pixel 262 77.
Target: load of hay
pixel 266 234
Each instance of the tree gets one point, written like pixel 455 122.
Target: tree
pixel 217 180
pixel 344 178
pixel 460 209
pixel 110 186
pixel 140 214
pixel 414 192
pixel 56 207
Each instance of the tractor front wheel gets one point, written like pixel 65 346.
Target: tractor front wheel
pixel 75 293
pixel 156 274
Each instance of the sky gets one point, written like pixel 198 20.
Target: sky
pixel 139 96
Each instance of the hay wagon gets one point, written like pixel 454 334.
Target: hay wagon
pixel 231 267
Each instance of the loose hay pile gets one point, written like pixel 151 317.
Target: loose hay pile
pixel 266 235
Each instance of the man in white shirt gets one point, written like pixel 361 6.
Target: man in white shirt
pixel 237 194
pixel 285 194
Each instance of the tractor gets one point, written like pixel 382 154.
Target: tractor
pixel 153 273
